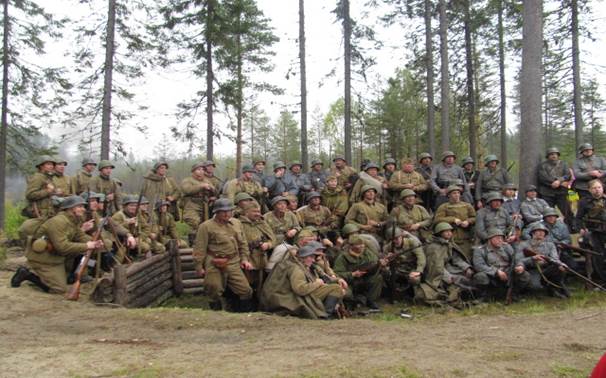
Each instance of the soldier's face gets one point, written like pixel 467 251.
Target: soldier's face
pixel 163 208
pixel 332 184
pixel 93 204
pixel 254 214
pixel 210 169
pixel 447 235
pixel 538 235
pixel 107 171
pixel 339 163
pixel 48 166
pixel 509 192
pixel 198 172
pixel 308 260
pixel 315 201
pixel 455 196
pixel 279 172
pixel 496 241
pixel 587 152
pixel 162 170
pixel 390 167
pixel 223 216
pixel 60 168
pixel 372 171
pixel 468 167
pixel 596 189
pixel 281 206
pixel 247 175
pixel 295 169
pixel 425 161
pixel 495 204
pixel 370 195
pixel 551 219
pixel 531 195
pixel 553 156
pixel 89 168
pixel 357 248
pixel 78 211
pixel 410 200
pixel 130 208
pixel 260 166
pixel 408 168
pixel 492 164
pixel 317 167
pixel 293 205
pixel 144 207
pixel 449 160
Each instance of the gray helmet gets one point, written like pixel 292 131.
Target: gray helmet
pixel 509 185
pixel 339 157
pixel 72 201
pixel 159 164
pixel 222 204
pixel 209 162
pixel 350 228
pixel 129 199
pixel 91 195
pixel 494 196
pixel 197 165
pixel 552 150
pixel 45 159
pixel 398 232
pixel 446 154
pixel 242 196
pixel 493 231
pixel 538 226
pixel 258 160
pixel 467 160
pixel 316 162
pixel 247 168
pixel 453 188
pixel 306 250
pixel 366 188
pixel 316 245
pixel 295 163
pixel 531 188
pixel 490 158
pixel 425 155
pixel 550 211
pixel 277 199
pixel 87 161
pixel 311 195
pixel 279 164
pixel 441 227
pixel 144 200
pixel 585 147
pixel 161 203
pixel 389 161
pixel 60 161
pixel 105 164
pixel 371 165
pixel 407 193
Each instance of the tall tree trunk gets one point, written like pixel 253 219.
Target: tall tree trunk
pixel 252 133
pixel 429 79
pixel 304 155
pixel 576 75
pixel 444 87
pixel 4 126
pixel 108 79
pixel 347 96
pixel 530 92
pixel 471 98
pixel 239 102
pixel 209 80
pixel 503 94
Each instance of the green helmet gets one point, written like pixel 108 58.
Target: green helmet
pixel 91 195
pixel 349 228
pixel 446 154
pixel 197 165
pixel 509 185
pixel 339 157
pixel 407 193
pixel 45 159
pixel 313 195
pixel 552 150
pixel 389 161
pixel 72 201
pixel 242 196
pixel 159 164
pixel 278 165
pixel 87 161
pixel 129 199
pixel 494 196
pixel 144 200
pixel 550 211
pixel 493 231
pixel 245 168
pixel 453 188
pixel 105 164
pixel 222 204
pixel 277 199
pixel 258 160
pixel 294 163
pixel 441 227
pixel 490 158
pixel 366 188
pixel 585 147
pixel 398 232
pixel 467 160
pixel 531 188
pixel 60 161
pixel 160 203
pixel 316 162
pixel 371 165
pixel 425 155
pixel 538 226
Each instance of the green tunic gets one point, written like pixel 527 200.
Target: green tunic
pixel 38 196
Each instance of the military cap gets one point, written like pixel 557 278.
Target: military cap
pixel 209 162
pixel 45 159
pixel 105 164
pixel 425 155
pixel 339 157
pixel 72 201
pixel 535 226
pixel 550 211
pixel 467 160
pixel 350 228
pixel 305 233
pixel 242 196
pixel 398 232
pixel 509 185
pixel 197 165
pixel 494 196
pixel 316 162
pixel 389 161
pixel 144 200
pixel 60 161
pixel 316 245
pixel 366 188
pixel 313 195
pixel 406 160
pixel 251 205
pixel 585 146
pixel 441 227
pixel 306 250
pixel 531 188
pixel 490 158
pixel 355 240
pixel 278 165
pixel 371 165
pixel 91 195
pixel 222 204
pixel 159 164
pixel 493 231
pixel 453 188
pixel 87 161
pixel 277 199
pixel 258 160
pixel 161 203
pixel 129 199
pixel 293 164
pixel 552 150
pixel 247 168
pixel 407 193
pixel 446 154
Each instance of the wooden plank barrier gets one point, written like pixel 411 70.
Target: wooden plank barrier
pixel 192 283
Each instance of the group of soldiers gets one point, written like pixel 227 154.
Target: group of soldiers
pixel 321 243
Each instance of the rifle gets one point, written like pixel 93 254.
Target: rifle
pixel 74 293
pixel 510 282
pixel 530 253
pixel 511 166
pixel 577 249
pixel 371 268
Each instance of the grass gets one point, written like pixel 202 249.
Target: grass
pixel 565 371
pixel 12 219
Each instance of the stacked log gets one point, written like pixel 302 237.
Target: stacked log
pixel 192 283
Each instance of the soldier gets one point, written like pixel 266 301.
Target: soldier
pixel 542 272
pixel 318 216
pixel 259 175
pixel 425 168
pixel 389 167
pixel 555 179
pixel 586 168
pixel 297 287
pixel 352 229
pixel 368 214
pixel 495 264
pixel 412 217
pixel 209 173
pixel 132 219
pixel 62 182
pixel 260 238
pixel 300 179
pixel 364 284
pixel 288 248
pixel 532 208
pixel 57 239
pixel 471 175
pixel 317 175
pixel 40 189
pixel 408 261
pixel 510 202
pixel 80 182
pixel 198 194
pixel 149 228
pixel 444 174
pixel 408 178
pixel 283 222
pixel 591 220
pixel 491 179
pixel 292 202
pixel 371 177
pixel 461 216
pixel 220 253
pixel 280 184
pixel 345 174
pixel 165 226
pixel 493 215
pixel 157 186
pixel 241 200
pixel 246 184
pixel 104 183
pixel 335 198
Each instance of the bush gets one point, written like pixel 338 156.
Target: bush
pixel 12 219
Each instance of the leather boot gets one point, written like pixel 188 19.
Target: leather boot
pixel 20 275
pixel 329 306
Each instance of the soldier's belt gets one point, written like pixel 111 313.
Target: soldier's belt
pixel 198 200
pixel 220 255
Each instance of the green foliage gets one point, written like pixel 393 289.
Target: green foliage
pixel 286 138
pixel 12 219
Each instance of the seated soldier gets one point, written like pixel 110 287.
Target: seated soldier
pixel 461 216
pixel 532 208
pixel 351 229
pixel 493 215
pixel 240 201
pixel 165 226
pixel 57 239
pixel 318 216
pixel 359 267
pixel 407 261
pixel 296 287
pixel 368 214
pixel 283 222
pixel 412 217
pixel 335 198
pixel 543 263
pixel 149 228
pixel 280 252
pixel 132 220
pixel 495 264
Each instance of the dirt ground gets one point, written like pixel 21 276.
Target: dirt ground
pixel 46 336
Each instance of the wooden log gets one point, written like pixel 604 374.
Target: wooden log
pixel 120 293
pixel 161 299
pixel 151 295
pixel 131 286
pixel 175 264
pixel 186 251
pixel 142 265
pixel 193 283
pixel 149 285
pixel 152 271
pixel 150 268
pixel 189 275
pixel 193 290
pixel 186 258
pixel 188 266
pixel 104 290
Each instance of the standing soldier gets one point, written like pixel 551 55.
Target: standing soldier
pixel 412 217
pixel 259 175
pixel 198 193
pixel 444 174
pixel 491 179
pixel 209 172
pixel 40 189
pixel 389 167
pixel 80 182
pixel 407 178
pixel 104 183
pixel 368 214
pixel 591 220
pixel 300 179
pixel 471 174
pixel 555 179
pixel 280 184
pixel 157 186
pixel 586 168
pixel 220 253
pixel 425 168
pixel 493 215
pixel 62 182
pixel 461 216
pixel 318 216
pixel 371 177
pixel 317 175
pixel 343 173
pixel 283 222
pixel 245 184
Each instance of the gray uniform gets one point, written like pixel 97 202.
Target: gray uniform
pixel 317 179
pixel 487 261
pixel 442 176
pixel 587 164
pixel 532 210
pixel 279 185
pixel 558 232
pixel 491 181
pixel 550 271
pixel 489 218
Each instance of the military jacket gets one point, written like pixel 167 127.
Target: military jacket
pixel 280 225
pixel 442 176
pixel 336 201
pixel 343 175
pixel 361 212
pixel 194 196
pixel 400 178
pixel 405 216
pixel 317 179
pixel 141 229
pixel 220 240
pixel 38 196
pixel 558 232
pixel 257 232
pixel 366 179
pixel 532 210
pixel 320 218
pixel 239 185
pixel 491 181
pixel 165 227
pixel 487 218
pixel 489 260
pixel 426 171
pixel 550 171
pixel 278 185
pixel 413 260
pixel 301 181
pixel 347 263
pixel 156 187
pixel 448 212
pixel 583 165
pixel 216 182
pixel 545 248
pixel 80 182
pixel 512 205
pixel 62 183
pixel 442 261
pixel 591 213
pixel 108 185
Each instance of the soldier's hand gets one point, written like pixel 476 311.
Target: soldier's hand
pixel 265 246
pixel 464 224
pixel 50 188
pixel 562 268
pixel 88 225
pixel 342 283
pixel 131 242
pixel 415 226
pixel 358 273
pixel 519 269
pixel 320 282
pixel 583 231
pixel 457 221
pixel 291 233
pixel 502 275
pixel 383 262
pixel 59 192
pixel 110 197
pixel 246 265
pixel 200 272
pixel 555 184
pixel 327 243
pixel 265 190
pixel 170 198
pixel 539 258
pixel 511 239
pixel 94 244
pixel 339 241
pixel 595 173
pixel 385 185
pixel 469 272
pixel 479 204
pixel 414 275
pixel 131 221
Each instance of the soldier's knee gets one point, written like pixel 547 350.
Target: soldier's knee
pixel 481 279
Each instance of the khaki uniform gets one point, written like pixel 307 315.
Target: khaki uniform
pixel 362 212
pixel 196 201
pixel 336 201
pixel 156 187
pixel 80 182
pixel 411 258
pixel 166 228
pixel 238 185
pixel 368 285
pixel 38 197
pixel 257 233
pixel 320 218
pixel 401 178
pixel 216 240
pixel 62 183
pixel 463 237
pixel 280 225
pixel 342 175
pixel 108 185
pixel 140 230
pixel 366 179
pixel 405 217
pixel 67 240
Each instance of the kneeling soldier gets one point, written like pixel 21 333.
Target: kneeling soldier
pixel 407 258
